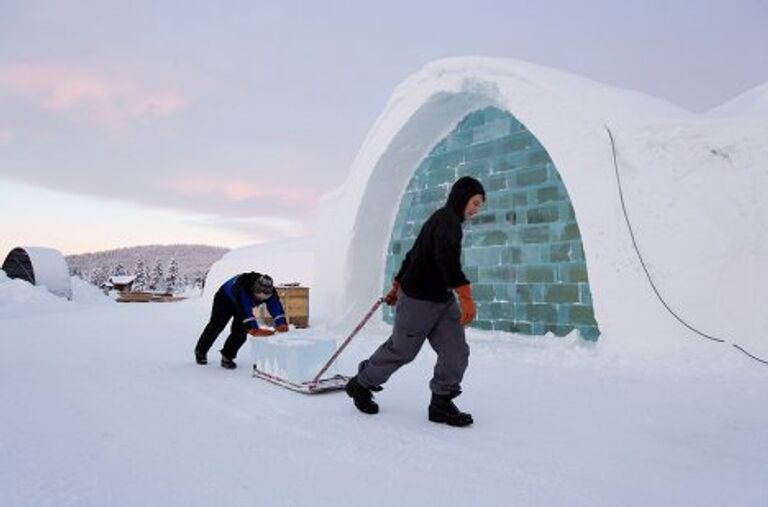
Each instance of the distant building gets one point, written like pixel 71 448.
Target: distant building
pixel 121 283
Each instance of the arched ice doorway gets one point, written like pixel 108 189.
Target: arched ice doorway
pixel 523 253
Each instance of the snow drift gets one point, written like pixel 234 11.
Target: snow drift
pixel 19 298
pixel 288 261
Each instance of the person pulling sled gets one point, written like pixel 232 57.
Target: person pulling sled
pixel 237 299
pixel 426 309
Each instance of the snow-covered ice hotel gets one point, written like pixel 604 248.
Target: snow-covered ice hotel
pixel 586 184
pixel 611 215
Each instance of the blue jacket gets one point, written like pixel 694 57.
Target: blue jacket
pixel 241 296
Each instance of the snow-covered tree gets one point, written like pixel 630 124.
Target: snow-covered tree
pixel 140 272
pixel 172 280
pixel 119 269
pixel 147 276
pixel 98 276
pixel 192 260
pixel 156 278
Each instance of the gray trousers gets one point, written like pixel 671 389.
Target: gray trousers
pixel 417 320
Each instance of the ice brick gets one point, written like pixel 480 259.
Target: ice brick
pixel 294 359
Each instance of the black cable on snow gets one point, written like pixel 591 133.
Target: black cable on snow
pixel 748 354
pixel 645 267
pixel 637 249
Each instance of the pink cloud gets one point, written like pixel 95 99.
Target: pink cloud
pixel 240 190
pixel 88 95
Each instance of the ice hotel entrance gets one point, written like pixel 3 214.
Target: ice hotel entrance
pixel 523 253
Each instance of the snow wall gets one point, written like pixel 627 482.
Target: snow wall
pixel 691 188
pixel 40 266
pixel 288 261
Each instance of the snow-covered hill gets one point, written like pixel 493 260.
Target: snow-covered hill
pixel 193 261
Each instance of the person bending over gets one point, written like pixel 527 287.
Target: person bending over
pixel 237 299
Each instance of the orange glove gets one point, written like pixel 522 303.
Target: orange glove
pixel 391 297
pixel 466 303
pixel 259 332
pixel 282 328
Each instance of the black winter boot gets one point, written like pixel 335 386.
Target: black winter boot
pixel 443 410
pixel 227 363
pixel 200 357
pixel 362 396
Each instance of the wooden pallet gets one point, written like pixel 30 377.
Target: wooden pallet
pixel 147 297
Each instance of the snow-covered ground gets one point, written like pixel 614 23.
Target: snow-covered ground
pixel 102 404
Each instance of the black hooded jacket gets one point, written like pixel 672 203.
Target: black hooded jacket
pixel 432 267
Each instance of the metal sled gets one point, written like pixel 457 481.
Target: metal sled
pixel 335 383
pixel 317 384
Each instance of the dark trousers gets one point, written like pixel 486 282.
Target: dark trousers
pixel 415 322
pixel 223 310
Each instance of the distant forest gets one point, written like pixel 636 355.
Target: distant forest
pixel 165 268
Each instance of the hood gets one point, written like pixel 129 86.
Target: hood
pixel 461 192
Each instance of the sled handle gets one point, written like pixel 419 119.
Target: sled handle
pixel 357 329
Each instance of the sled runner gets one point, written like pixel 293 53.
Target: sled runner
pixel 318 384
pixel 335 383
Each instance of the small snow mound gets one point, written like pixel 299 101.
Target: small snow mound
pixel 86 293
pixel 19 298
pixel 191 292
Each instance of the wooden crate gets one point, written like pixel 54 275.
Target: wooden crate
pixel 295 301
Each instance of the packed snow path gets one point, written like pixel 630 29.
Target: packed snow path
pixel 104 405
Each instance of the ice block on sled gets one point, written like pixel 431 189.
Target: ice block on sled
pixel 292 358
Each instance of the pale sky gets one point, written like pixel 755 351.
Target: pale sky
pixel 139 122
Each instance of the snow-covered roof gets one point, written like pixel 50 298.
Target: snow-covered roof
pixel 122 279
pixel 694 188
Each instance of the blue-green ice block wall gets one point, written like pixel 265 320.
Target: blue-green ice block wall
pixel 523 251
